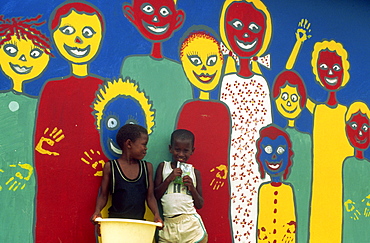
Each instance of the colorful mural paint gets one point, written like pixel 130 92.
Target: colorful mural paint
pixel 275 93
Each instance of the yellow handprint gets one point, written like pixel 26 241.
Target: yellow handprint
pixel 89 160
pixel 15 182
pixel 366 200
pixel 220 176
pixel 54 137
pixel 350 206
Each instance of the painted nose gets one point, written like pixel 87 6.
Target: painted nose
pixel 23 58
pixel 289 104
pixel 155 19
pixel 204 68
pixel 78 40
pixel 330 71
pixel 274 156
pixel 245 35
pixel 360 133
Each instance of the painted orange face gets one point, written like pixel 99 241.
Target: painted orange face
pixel 357 129
pixel 330 69
pixel 245 28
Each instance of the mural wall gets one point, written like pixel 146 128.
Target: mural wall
pixel 274 91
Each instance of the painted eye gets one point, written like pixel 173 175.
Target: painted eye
pixel 112 123
pixel 165 12
pixel 254 27
pixel 88 32
pixel 268 149
pixel 195 60
pixel 365 127
pixel 211 61
pixel 147 8
pixel 280 150
pixel 323 66
pixel 237 24
pixel 337 67
pixel 285 96
pixel 294 97
pixel 353 125
pixel 67 30
pixel 11 50
pixel 36 53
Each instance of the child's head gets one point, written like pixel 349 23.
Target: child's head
pixel 130 132
pixel 182 145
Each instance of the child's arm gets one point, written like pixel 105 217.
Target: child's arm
pixel 196 192
pixel 161 185
pixel 102 199
pixel 150 199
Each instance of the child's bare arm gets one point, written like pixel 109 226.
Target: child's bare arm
pixel 150 199
pixel 102 199
pixel 160 185
pixel 196 192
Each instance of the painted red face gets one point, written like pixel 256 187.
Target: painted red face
pixel 245 29
pixel 156 20
pixel 357 131
pixel 330 69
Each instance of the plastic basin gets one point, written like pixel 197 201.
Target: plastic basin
pixel 115 230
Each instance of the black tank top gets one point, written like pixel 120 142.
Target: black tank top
pixel 128 196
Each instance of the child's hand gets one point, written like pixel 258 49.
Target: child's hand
pixel 158 219
pixel 94 216
pixel 175 173
pixel 188 182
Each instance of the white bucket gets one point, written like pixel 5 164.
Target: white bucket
pixel 115 230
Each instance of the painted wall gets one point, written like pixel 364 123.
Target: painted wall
pixel 56 127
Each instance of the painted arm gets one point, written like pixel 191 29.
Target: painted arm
pixel 310 105
pixel 301 36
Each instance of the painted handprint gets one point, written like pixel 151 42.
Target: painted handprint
pixel 350 206
pixel 55 136
pixel 20 178
pixel 303 30
pixel 97 165
pixel 220 177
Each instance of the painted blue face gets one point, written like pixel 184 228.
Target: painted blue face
pixel 274 156
pixel 118 112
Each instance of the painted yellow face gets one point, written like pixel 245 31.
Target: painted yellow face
pixel 288 102
pixel 78 37
pixel 202 63
pixel 21 60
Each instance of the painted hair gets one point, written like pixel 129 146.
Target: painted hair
pixel 332 46
pixel 129 131
pixel 291 78
pixel 80 7
pixel 355 107
pixel 182 134
pixel 272 132
pixel 23 29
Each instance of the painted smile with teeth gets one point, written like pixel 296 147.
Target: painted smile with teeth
pixel 331 81
pixel 114 148
pixel 77 52
pixel 204 78
pixel 361 141
pixel 274 166
pixel 246 46
pixel 157 30
pixel 20 70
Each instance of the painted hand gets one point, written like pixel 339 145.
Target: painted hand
pixel 51 138
pixel 220 176
pixel 93 158
pixel 303 30
pixel 20 178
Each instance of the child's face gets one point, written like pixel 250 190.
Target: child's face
pixel 181 150
pixel 138 148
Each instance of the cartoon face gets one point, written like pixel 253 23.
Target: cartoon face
pixel 156 20
pixel 21 60
pixel 330 69
pixel 357 129
pixel 181 150
pixel 202 63
pixel 288 102
pixel 78 37
pixel 114 117
pixel 274 155
pixel 245 28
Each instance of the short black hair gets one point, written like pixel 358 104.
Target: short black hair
pixel 182 134
pixel 129 131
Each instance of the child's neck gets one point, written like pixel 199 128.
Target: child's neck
pixel 126 160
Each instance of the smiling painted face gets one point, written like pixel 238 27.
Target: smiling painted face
pixel 78 37
pixel 21 60
pixel 288 102
pixel 330 70
pixel 156 20
pixel 274 156
pixel 202 62
pixel 245 28
pixel 357 129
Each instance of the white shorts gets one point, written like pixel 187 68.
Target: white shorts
pixel 183 228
